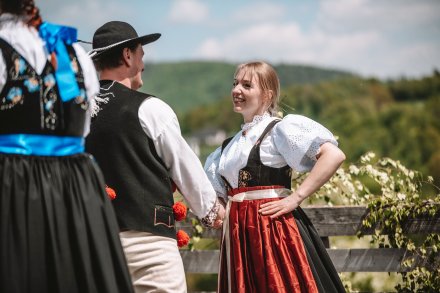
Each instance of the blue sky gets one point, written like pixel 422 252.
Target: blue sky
pixel 385 39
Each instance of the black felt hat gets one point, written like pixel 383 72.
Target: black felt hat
pixel 115 34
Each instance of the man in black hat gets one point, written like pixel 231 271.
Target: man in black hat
pixel 136 140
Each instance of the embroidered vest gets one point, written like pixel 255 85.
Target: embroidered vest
pixel 130 164
pixel 255 173
pixel 30 103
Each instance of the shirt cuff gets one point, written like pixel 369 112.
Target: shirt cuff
pixel 209 219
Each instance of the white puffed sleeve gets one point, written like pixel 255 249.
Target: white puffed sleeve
pixel 298 139
pixel 212 171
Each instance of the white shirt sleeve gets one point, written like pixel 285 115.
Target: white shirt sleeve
pixel 212 171
pixel 160 123
pixel 298 139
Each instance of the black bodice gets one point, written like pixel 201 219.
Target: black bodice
pixel 255 173
pixel 30 103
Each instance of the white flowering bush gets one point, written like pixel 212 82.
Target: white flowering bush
pixel 393 194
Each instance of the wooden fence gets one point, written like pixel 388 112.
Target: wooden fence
pixel 330 222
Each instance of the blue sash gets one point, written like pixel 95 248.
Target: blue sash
pixel 41 145
pixel 55 37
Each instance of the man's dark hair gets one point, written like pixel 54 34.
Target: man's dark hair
pixel 113 57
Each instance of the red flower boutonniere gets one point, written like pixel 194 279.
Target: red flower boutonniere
pixel 110 192
pixel 182 238
pixel 179 211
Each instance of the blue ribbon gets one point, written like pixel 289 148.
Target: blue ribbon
pixel 41 145
pixel 56 38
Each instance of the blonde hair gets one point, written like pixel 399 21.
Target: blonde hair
pixel 267 80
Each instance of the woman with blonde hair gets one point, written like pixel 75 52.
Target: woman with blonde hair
pixel 269 244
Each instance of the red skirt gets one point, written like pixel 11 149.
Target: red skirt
pixel 284 254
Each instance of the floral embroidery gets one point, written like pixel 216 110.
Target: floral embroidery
pixel 82 100
pixel 32 84
pixel 210 218
pixel 24 83
pixel 49 81
pixel 14 96
pixel 19 65
pixel 74 64
pixel 243 178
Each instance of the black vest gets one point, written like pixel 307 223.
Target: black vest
pixel 130 164
pixel 255 173
pixel 31 104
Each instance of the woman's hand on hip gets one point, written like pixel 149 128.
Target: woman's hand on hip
pixel 280 207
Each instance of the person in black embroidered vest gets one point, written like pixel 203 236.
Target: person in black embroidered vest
pixel 269 244
pixel 58 230
pixel 135 138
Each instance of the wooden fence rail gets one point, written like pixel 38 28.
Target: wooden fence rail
pixel 329 222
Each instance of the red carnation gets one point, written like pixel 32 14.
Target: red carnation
pixel 179 210
pixel 110 192
pixel 182 238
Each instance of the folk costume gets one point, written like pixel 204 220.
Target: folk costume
pixel 135 137
pixel 260 254
pixel 58 231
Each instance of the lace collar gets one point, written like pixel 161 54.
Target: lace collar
pixel 257 119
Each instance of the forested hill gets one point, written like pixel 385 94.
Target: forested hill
pixel 185 85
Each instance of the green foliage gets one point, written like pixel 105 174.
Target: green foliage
pixel 397 199
pixel 415 90
pixel 187 85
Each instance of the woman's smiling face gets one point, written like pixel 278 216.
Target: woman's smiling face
pixel 247 96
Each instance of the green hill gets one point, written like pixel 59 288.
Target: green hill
pixel 185 85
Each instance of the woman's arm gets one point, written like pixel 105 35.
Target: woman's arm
pixel 329 159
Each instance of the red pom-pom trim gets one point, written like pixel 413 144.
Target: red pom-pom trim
pixel 182 238
pixel 179 210
pixel 110 192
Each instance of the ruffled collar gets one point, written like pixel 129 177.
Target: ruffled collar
pixel 257 119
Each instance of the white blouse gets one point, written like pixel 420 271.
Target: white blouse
pixel 294 141
pixel 30 46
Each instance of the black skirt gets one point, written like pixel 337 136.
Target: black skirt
pixel 58 231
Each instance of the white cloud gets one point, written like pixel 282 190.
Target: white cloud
pixel 380 39
pixel 85 15
pixel 417 59
pixel 188 11
pixel 287 43
pixel 350 15
pixel 257 12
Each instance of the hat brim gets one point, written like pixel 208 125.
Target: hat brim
pixel 143 40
